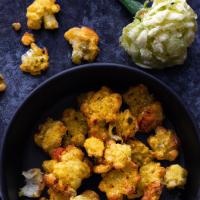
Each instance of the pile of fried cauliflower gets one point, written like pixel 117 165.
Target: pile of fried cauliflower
pixel 101 138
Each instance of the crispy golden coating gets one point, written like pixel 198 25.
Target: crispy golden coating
pixel 117 155
pixel 76 127
pixel 141 154
pixel 126 125
pixel 35 60
pixel 175 176
pixel 102 168
pixel 84 42
pixel 42 11
pixel 119 183
pixel 67 172
pixel 87 195
pixel 94 147
pixel 153 191
pixel 16 26
pixel 50 135
pixel 164 144
pixel 137 98
pixel 3 85
pixel 150 117
pixel 34 183
pixel 103 105
pixel 59 195
pixel 27 39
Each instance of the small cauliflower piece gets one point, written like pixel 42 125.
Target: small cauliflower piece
pixel 164 144
pixel 103 105
pixel 102 168
pixel 59 195
pixel 94 147
pixel 151 117
pixel 176 176
pixel 3 85
pixel 16 26
pixel 87 195
pixel 119 183
pixel 35 60
pixel 27 39
pixel 84 42
pixel 34 183
pixel 141 154
pixel 76 127
pixel 50 135
pixel 137 98
pixel 117 155
pixel 42 11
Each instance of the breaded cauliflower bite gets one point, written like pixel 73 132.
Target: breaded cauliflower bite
pixel 3 85
pixel 119 183
pixel 42 11
pixel 103 105
pixel 164 144
pixel 35 60
pixel 87 195
pixel 67 172
pixel 84 42
pixel 27 39
pixel 76 127
pixel 141 154
pixel 151 117
pixel 50 135
pixel 117 155
pixel 176 176
pixel 94 147
pixel 137 98
pixel 150 173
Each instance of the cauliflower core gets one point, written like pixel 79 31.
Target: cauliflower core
pixel 84 42
pixel 35 60
pixel 27 39
pixel 42 11
pixel 160 35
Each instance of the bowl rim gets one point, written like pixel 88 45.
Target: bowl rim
pixel 3 196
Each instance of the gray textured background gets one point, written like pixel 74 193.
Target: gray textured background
pixel 108 18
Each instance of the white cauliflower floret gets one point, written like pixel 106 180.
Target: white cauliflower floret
pixel 42 11
pixel 176 176
pixel 34 183
pixel 35 60
pixel 160 35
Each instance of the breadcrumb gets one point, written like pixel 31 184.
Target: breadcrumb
pixel 16 26
pixel 27 39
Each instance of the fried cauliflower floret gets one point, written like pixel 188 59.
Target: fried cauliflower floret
pixel 67 169
pixel 34 183
pixel 117 155
pixel 27 39
pixel 176 176
pixel 50 135
pixel 119 183
pixel 94 147
pixel 153 191
pixel 103 105
pixel 164 144
pixel 3 85
pixel 141 154
pixel 87 195
pixel 102 168
pixel 35 60
pixel 42 11
pixel 150 117
pixel 84 42
pixel 150 173
pixel 16 26
pixel 76 127
pixel 137 98
pixel 60 195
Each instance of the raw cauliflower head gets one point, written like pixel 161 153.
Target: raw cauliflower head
pixel 84 42
pixel 42 11
pixel 35 60
pixel 160 35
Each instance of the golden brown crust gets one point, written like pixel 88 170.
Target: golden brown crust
pixel 164 144
pixel 16 26
pixel 87 195
pixel 27 39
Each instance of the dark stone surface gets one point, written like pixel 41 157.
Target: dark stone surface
pixel 108 18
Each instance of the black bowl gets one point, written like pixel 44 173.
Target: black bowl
pixel 49 99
